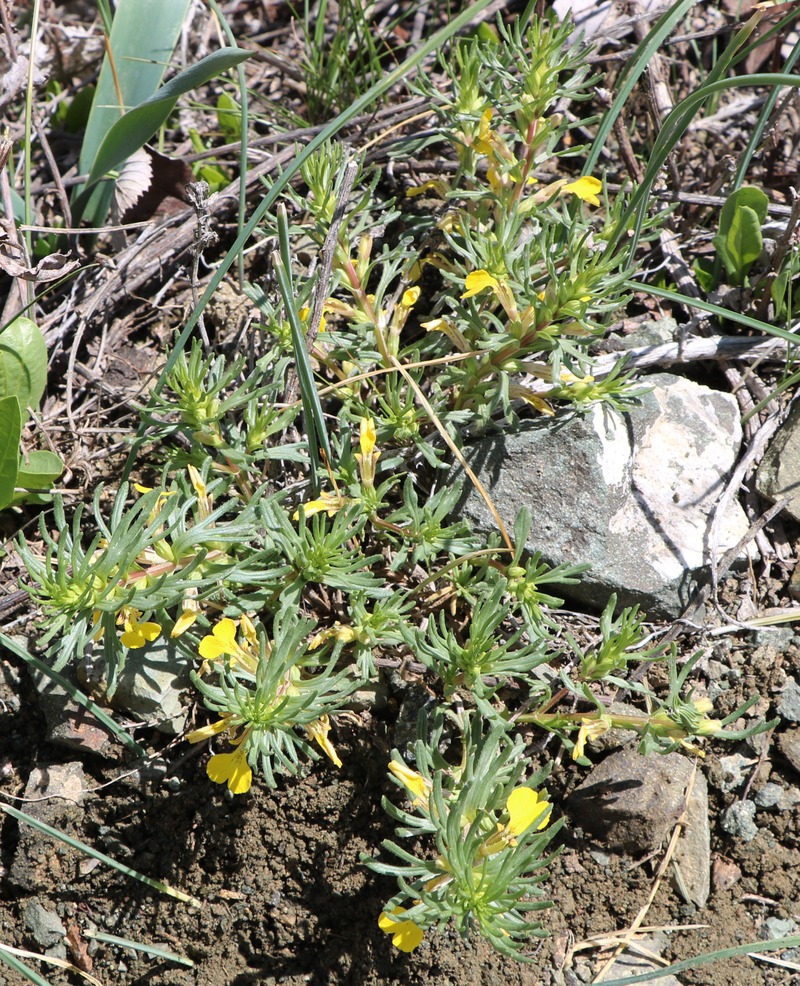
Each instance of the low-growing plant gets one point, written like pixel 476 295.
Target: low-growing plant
pixel 432 323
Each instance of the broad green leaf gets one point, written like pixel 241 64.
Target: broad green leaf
pixel 10 431
pixel 133 68
pixel 23 363
pixel 704 272
pixel 39 470
pixel 229 116
pixel 137 126
pixel 744 241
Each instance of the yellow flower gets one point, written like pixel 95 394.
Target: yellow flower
pixel 590 729
pixel 369 455
pixel 318 731
pixel 222 642
pixel 330 502
pixel 211 730
pixel 231 768
pixel 452 332
pixel 477 281
pixel 585 188
pixel 526 806
pixel 413 782
pixel 405 934
pixel 410 297
pixel 136 634
pixel 367 436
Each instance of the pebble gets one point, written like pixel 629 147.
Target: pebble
pixel 735 768
pixel 46 928
pixel 739 820
pixel 631 963
pixel 633 802
pixel 789 704
pixel 789 745
pixel 776 796
pixel 776 928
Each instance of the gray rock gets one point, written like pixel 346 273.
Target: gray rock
pixel 739 820
pixel 776 796
pixel 46 928
pixel 733 771
pixel 789 745
pixel 631 495
pixel 71 725
pixel 789 704
pixel 692 860
pixel 636 960
pixel 632 802
pixel 56 794
pixel 777 928
pixel 150 684
pixel 778 476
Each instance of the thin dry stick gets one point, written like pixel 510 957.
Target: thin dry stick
pixel 455 450
pixel 673 844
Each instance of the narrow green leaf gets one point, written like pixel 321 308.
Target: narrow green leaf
pixel 10 431
pixel 23 363
pixel 155 950
pixel 137 126
pixel 163 888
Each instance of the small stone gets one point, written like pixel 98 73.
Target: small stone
pixel 724 874
pixel 71 725
pixel 371 697
pixel 46 928
pixel 633 963
pixel 55 793
pixel 789 745
pixel 631 801
pixel 693 851
pixel 739 820
pixel 734 770
pixel 149 686
pixel 776 796
pixel 789 704
pixel 776 928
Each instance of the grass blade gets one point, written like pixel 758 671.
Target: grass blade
pixel 96 854
pixel 154 950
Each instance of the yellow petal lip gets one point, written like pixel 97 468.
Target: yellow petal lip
pixel 526 806
pixel 231 768
pixel 367 436
pixel 586 188
pixel 406 935
pixel 478 281
pixel 136 634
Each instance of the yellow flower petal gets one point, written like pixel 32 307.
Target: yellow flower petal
pixel 410 297
pixel 184 621
pixel 368 436
pixel 318 731
pixel 405 934
pixel 331 502
pixel 231 768
pixel 411 780
pixel 478 281
pixel 525 806
pixel 585 188
pixel 209 731
pixel 221 640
